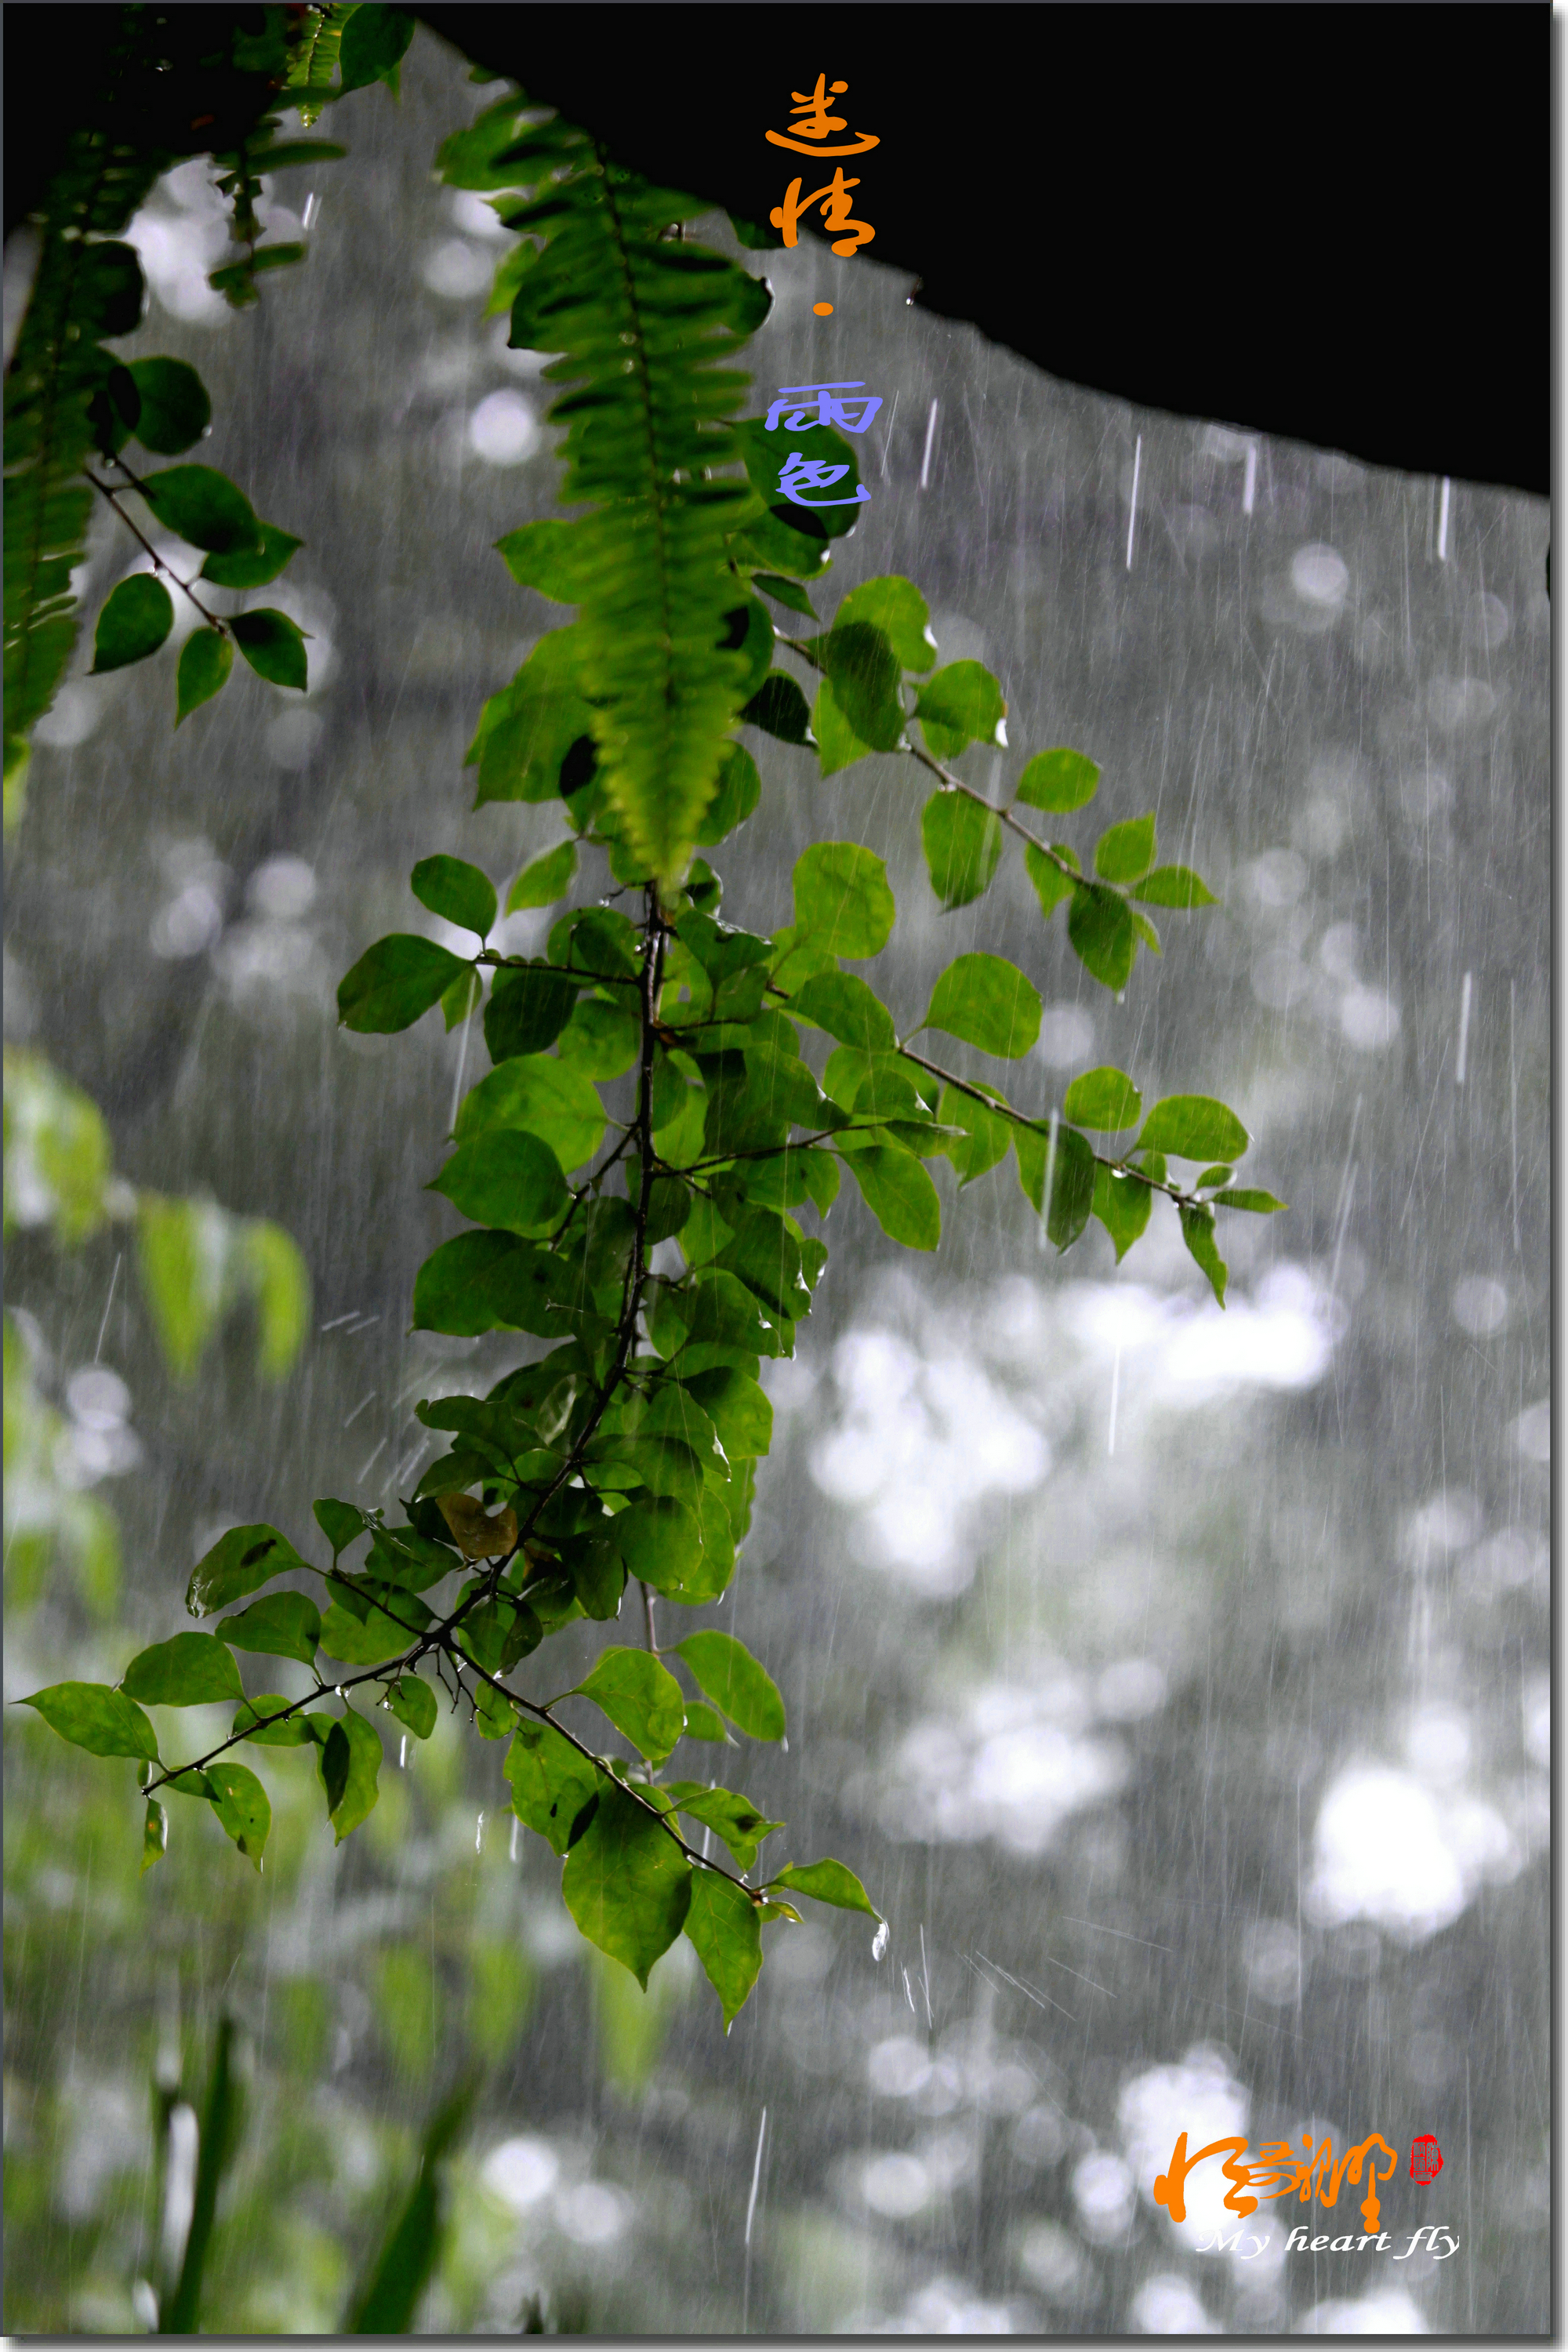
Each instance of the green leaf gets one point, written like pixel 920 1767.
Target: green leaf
pixel 273 644
pixel 488 1281
pixel 962 844
pixel 91 1716
pixel 702 1723
pixel 988 1002
pixel 1058 781
pixel 203 508
pixel 1122 1205
pixel 527 1010
pixel 388 2301
pixel 842 1004
pixel 660 1541
pixel 552 1782
pixel 962 704
pixel 456 891
pixel 740 790
pixel 1262 1204
pixel 253 567
pixel 739 1409
pixel 899 1193
pixel 1105 1099
pixel 349 1764
pixel 374 40
pixel 1193 1127
pixel 239 1801
pixel 627 1883
pixel 553 556
pixel 133 623
pixel 460 1000
pixel 1068 1165
pixel 896 608
pixel 545 880
pixel 1101 929
pixel 749 631
pixel 1145 930
pixel 983 1137
pixel 284 1625
pixel 413 1702
pixel 238 1563
pixel 838 744
pixel 726 1671
pixel 378 1636
pixel 207 658
pixel 267 1720
pixel 506 1178
pixel 788 593
pixel 864 673
pixel 1197 1232
pixel 527 732
pixel 154 1835
pixel 641 1698
pixel 721 1923
pixel 1174 886
pixel 1051 884
pixel 175 408
pixel 731 1817
pixel 842 898
pixel 395 982
pixel 1215 1176
pixel 826 1881
pixel 342 1522
pixel 1125 852
pixel 544 1094
pixel 780 709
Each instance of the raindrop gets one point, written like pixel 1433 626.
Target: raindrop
pixel 402 1752
pixel 879 1940
pixel 479 1834
pixel 512 1850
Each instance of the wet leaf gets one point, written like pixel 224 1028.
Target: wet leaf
pixel 1193 1127
pixel 173 409
pixel 1105 1099
pixel 253 567
pixel 241 1803
pixel 413 1702
pixel 134 622
pixel 284 1625
pixel 545 880
pixel 508 1179
pixel 207 658
pixel 725 1670
pixel 1059 780
pixel 527 1010
pixel 459 893
pixel 1125 852
pixel 842 898
pixel 474 1533
pixel 826 1881
pixel 395 982
pixel 642 1699
pixel 203 508
pixel 273 644
pixel 237 1563
pixel 1100 926
pixel 154 1835
pixel 1174 886
pixel 91 1716
pixel 349 1763
pixel 1197 1232
pixel 962 704
pixel 963 842
pixel 899 1193
pixel 1122 1205
pixel 627 1883
pixel 895 607
pixel 988 1002
pixel 552 1781
pixel 722 1924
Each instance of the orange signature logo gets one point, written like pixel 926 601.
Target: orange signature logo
pixel 1279 2172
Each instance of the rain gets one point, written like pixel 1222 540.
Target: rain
pixel 1176 1680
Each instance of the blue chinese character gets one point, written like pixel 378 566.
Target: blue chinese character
pixel 800 472
pixel 792 407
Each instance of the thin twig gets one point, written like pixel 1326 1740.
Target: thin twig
pixel 211 619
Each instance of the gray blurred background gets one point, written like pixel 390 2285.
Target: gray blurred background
pixel 1177 1682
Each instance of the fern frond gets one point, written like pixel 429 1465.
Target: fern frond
pixel 643 321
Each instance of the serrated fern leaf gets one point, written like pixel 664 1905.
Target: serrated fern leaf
pixel 643 321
